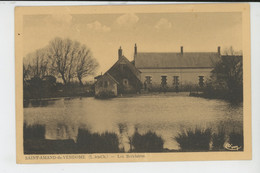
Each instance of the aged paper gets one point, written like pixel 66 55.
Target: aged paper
pixel 133 83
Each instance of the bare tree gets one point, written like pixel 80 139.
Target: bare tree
pixel 36 64
pixel 71 72
pixel 26 72
pixel 62 58
pixel 86 64
pixel 230 51
pixel 60 53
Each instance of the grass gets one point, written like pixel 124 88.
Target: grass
pixel 87 142
pixel 44 146
pixel 200 139
pixel 97 143
pixel 35 142
pixel 236 139
pixel 194 140
pixel 149 142
pixel 33 131
pixel 219 138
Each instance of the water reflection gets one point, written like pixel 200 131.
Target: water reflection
pixel 61 131
pixel 166 116
pixel 38 103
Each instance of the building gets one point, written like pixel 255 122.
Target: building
pixel 106 86
pixel 155 71
pixel 122 78
pixel 175 70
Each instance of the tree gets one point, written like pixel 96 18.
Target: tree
pixel 36 64
pixel 62 58
pixel 26 71
pixel 60 54
pixel 228 73
pixel 86 64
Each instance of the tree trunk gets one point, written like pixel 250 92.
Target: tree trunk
pixel 64 80
pixel 80 81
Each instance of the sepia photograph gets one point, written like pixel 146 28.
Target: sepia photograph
pixel 133 83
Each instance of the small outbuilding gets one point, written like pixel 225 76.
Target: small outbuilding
pixel 106 86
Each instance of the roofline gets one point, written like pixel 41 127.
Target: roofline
pixel 174 68
pixel 232 55
pixel 115 64
pixel 177 52
pixel 123 57
pixel 111 77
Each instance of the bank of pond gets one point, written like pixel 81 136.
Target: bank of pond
pixel 189 140
pixel 38 89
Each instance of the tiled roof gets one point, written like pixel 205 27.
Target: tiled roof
pixel 176 60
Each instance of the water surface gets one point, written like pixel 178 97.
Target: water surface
pixel 164 114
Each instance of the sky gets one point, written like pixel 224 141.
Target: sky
pixel 153 32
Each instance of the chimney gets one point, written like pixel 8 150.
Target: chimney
pixel 219 50
pixel 135 50
pixel 182 50
pixel 120 51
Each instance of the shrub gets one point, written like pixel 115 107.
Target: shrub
pixel 236 139
pixel 194 140
pixel 148 142
pixel 105 94
pixel 36 131
pixel 97 143
pixel 45 146
pixel 219 138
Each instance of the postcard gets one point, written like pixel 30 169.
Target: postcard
pixel 133 83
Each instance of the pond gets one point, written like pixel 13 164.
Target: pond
pixel 165 114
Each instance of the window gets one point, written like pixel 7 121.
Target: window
pixel 164 80
pixel 175 80
pixel 201 81
pixel 176 83
pixel 148 79
pixel 125 82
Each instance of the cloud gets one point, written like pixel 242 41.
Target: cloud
pixel 127 20
pixel 59 19
pixel 97 26
pixel 163 24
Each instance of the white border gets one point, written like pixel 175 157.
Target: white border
pixel 7 109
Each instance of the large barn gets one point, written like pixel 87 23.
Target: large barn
pixel 175 70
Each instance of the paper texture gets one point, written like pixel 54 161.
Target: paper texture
pixel 133 83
